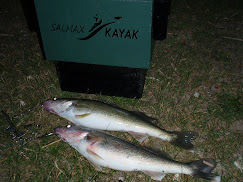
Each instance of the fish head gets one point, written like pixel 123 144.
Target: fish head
pixel 58 106
pixel 72 135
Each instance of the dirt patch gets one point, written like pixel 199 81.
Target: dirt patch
pixel 237 126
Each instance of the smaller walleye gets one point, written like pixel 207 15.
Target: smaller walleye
pixel 105 150
pixel 104 116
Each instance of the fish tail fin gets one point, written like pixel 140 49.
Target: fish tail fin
pixel 183 139
pixel 202 169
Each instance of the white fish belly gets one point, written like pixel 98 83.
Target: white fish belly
pixel 100 123
pixel 125 162
pixel 109 123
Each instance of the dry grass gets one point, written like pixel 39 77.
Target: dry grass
pixel 195 83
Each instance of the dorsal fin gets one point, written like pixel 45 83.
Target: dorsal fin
pixel 145 117
pixel 111 104
pixel 158 152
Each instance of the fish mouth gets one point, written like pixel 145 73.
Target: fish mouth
pixel 70 134
pixel 58 106
pixel 59 132
pixel 47 106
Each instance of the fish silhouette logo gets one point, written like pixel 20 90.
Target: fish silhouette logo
pixel 98 26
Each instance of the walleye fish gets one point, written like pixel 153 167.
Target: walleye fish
pixel 104 116
pixel 105 150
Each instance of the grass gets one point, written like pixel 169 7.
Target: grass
pixel 194 83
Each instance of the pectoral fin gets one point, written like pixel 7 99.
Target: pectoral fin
pixel 96 166
pixel 139 136
pixel 82 116
pixel 93 154
pixel 155 175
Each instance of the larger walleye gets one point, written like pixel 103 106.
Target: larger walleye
pixel 104 116
pixel 105 150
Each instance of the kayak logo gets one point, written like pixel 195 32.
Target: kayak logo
pixel 67 28
pixel 97 27
pixel 110 32
pixel 121 33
